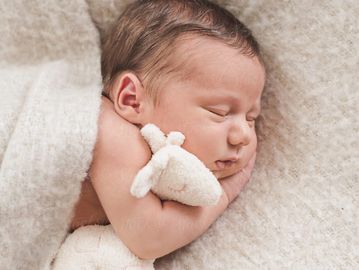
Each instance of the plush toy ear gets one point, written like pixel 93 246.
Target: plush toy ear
pixel 175 137
pixel 143 182
pixel 154 137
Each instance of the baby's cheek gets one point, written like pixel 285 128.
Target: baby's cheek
pixel 249 150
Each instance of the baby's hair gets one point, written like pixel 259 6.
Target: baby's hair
pixel 144 38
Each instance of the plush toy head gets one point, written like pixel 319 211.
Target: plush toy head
pixel 173 173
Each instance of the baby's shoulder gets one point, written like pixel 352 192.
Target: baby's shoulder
pixel 119 138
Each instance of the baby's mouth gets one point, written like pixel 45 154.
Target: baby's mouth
pixel 224 164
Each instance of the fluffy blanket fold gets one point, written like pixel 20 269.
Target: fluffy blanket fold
pixel 46 156
pixel 49 104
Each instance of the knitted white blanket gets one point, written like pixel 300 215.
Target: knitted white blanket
pixel 300 209
pixel 50 86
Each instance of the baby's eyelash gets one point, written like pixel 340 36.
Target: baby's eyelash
pixel 223 114
pixel 226 113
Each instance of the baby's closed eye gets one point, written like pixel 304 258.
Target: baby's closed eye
pixel 226 113
pixel 218 112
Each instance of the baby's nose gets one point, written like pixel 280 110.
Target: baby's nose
pixel 240 133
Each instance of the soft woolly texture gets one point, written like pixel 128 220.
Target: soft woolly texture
pixel 50 87
pixel 97 247
pixel 300 209
pixel 173 173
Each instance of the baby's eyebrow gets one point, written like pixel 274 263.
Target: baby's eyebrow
pixel 223 98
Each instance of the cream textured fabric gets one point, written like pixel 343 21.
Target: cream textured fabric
pixel 300 209
pixel 50 86
pixel 97 247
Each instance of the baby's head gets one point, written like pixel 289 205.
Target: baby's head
pixel 190 66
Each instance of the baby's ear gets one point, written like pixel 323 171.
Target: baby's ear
pixel 127 94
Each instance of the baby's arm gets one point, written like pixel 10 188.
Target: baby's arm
pixel 148 227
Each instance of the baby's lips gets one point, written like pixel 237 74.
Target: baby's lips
pixel 222 164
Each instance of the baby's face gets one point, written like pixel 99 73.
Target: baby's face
pixel 215 107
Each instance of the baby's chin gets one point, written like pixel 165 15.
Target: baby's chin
pixel 226 172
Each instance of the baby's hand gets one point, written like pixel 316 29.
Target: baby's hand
pixel 233 185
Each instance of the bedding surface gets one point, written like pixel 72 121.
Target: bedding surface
pixel 299 210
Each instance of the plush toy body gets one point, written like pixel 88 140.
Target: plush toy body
pixel 97 247
pixel 172 173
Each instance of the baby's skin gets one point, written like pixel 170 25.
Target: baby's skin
pixel 214 104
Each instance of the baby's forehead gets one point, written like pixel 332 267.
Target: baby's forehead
pixel 208 61
pixel 196 52
pixel 190 51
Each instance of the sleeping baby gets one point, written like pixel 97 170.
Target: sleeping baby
pixel 187 66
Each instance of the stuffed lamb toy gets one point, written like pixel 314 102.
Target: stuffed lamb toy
pixel 172 174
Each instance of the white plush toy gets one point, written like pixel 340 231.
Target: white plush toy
pixel 172 174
